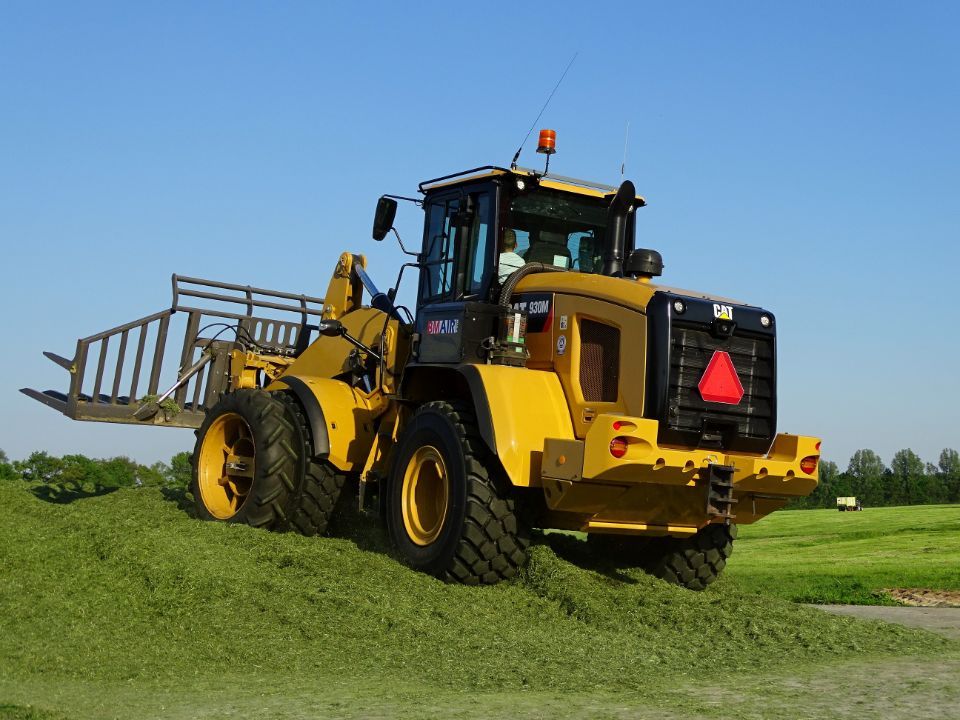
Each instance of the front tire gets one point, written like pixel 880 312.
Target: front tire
pixel 247 461
pixel 447 514
pixel 320 484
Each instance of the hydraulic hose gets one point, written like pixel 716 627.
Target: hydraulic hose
pixel 529 269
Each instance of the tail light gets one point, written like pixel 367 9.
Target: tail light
pixel 809 464
pixel 618 447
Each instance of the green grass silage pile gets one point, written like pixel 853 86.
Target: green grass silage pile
pixel 128 587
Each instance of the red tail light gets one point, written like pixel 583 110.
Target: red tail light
pixel 809 464
pixel 618 447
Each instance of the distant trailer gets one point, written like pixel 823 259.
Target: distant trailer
pixel 848 504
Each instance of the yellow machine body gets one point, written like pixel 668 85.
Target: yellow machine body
pixel 546 436
pixel 595 463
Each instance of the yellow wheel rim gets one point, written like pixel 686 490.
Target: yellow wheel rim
pixel 426 494
pixel 225 466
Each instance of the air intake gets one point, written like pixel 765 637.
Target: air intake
pixel 599 361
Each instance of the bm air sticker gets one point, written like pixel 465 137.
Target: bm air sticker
pixel 561 344
pixel 723 312
pixel 443 327
pixel 539 310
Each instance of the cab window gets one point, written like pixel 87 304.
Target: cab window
pixel 478 251
pixel 561 229
pixel 458 249
pixel 436 277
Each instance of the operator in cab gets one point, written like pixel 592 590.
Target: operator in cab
pixel 510 260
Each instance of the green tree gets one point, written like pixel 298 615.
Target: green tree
pixel 937 489
pixel 909 478
pixel 6 469
pixel 79 470
pixel 866 471
pixel 120 472
pixel 153 475
pixel 40 466
pixel 949 466
pixel 180 470
pixel 826 492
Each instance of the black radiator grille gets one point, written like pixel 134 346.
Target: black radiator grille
pixel 691 349
pixel 599 361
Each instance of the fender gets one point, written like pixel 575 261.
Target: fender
pixel 516 409
pixel 341 419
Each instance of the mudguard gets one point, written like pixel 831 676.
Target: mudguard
pixel 341 419
pixel 516 409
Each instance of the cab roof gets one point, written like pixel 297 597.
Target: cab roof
pixel 549 180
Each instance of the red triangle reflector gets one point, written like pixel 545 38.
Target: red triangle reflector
pixel 720 382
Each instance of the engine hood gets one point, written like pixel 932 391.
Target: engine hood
pixel 621 291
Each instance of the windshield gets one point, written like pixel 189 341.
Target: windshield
pixel 557 228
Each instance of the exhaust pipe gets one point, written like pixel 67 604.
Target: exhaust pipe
pixel 617 229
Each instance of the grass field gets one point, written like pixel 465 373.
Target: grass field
pixel 123 606
pixel 825 556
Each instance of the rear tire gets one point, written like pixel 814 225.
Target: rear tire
pixel 448 513
pixel 247 461
pixel 692 562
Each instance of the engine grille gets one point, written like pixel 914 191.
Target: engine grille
pixel 691 349
pixel 599 361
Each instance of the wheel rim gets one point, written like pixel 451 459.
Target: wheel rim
pixel 226 465
pixel 425 495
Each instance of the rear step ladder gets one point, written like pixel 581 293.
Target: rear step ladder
pixel 204 370
pixel 720 500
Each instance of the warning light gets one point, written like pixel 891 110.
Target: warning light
pixel 720 382
pixel 548 142
pixel 618 447
pixel 809 464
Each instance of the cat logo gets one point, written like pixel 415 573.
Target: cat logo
pixel 723 312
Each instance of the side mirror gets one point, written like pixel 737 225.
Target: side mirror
pixel 330 328
pixel 383 218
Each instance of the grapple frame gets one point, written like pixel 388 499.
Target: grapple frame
pixel 203 374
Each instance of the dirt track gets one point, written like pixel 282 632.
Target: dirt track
pixel 942 620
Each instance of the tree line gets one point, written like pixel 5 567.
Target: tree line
pixel 908 481
pixel 78 472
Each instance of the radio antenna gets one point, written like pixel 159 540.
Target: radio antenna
pixel 623 165
pixel 526 137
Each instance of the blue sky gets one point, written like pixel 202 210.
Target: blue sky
pixel 802 156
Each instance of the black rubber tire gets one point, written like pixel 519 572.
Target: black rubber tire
pixel 481 540
pixel 692 562
pixel 320 485
pixel 277 466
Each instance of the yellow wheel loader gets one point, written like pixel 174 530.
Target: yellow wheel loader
pixel 544 379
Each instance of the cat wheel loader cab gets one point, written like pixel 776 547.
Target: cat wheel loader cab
pixel 544 379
